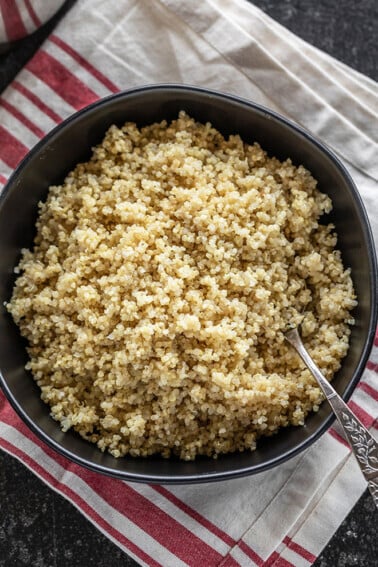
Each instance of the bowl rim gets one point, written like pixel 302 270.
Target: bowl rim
pixel 366 228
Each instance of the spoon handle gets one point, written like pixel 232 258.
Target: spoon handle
pixel 364 446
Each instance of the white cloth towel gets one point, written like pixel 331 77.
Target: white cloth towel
pixel 19 18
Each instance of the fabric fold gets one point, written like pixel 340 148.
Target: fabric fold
pixel 19 18
pixel 315 74
pixel 283 84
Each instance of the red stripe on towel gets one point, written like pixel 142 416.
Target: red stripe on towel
pixel 14 26
pixel 3 179
pixel 22 118
pixel 338 437
pixel 372 365
pixel 36 101
pixel 84 63
pixel 61 80
pixel 276 560
pixel 158 524
pixel 368 390
pixel 195 515
pixel 362 415
pixel 229 561
pixel 299 550
pixel 139 510
pixel 82 504
pixel 251 553
pixel 11 150
pixel 36 21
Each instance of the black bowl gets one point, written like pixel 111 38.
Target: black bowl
pixel 71 142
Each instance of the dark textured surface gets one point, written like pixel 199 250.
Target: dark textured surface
pixel 38 528
pixel 346 29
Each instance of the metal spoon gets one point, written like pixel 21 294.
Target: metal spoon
pixel 364 446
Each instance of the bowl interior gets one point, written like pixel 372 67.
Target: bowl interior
pixel 71 143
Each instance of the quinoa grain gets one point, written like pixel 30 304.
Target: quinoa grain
pixel 163 273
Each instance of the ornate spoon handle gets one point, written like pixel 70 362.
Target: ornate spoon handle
pixel 364 446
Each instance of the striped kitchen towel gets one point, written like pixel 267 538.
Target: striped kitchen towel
pixel 19 18
pixel 100 48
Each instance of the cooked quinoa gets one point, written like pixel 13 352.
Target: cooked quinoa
pixel 163 273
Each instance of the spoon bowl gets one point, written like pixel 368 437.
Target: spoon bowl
pixel 363 444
